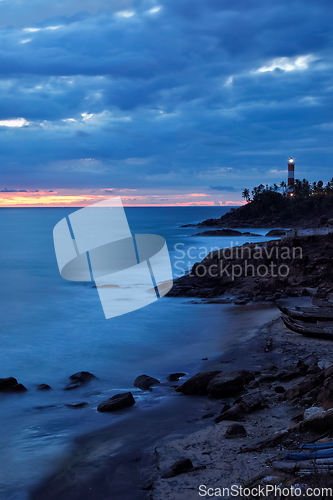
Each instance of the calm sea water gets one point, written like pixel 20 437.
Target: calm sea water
pixel 51 328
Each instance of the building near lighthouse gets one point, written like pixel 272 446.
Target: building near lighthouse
pixel 291 177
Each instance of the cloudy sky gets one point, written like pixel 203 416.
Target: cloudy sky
pixel 162 102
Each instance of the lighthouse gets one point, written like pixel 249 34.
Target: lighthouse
pixel 291 177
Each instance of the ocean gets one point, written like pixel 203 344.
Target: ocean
pixel 52 328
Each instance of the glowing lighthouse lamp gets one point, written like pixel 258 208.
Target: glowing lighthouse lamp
pixel 291 177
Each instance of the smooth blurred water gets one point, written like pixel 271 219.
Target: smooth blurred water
pixel 51 328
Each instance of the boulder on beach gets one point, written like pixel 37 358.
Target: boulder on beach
pixel 179 467
pixel 252 401
pixel 225 385
pixel 78 379
pixel 117 402
pixel 144 382
pixel 174 377
pixel 235 431
pixel 198 383
pixel 235 414
pixel 10 384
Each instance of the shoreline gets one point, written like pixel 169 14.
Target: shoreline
pixel 175 415
pixel 176 429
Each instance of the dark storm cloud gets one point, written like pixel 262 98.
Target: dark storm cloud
pixel 225 188
pixel 133 97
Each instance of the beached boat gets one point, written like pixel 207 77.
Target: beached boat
pixel 322 302
pixel 308 314
pixel 309 329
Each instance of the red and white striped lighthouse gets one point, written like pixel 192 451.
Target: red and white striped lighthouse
pixel 291 176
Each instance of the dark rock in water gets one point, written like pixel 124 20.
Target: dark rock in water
pixel 6 384
pixel 235 431
pixel 82 377
pixel 179 467
pixel 145 382
pixel 77 405
pixel 18 388
pixel 79 379
pixel 198 383
pixel 174 377
pixel 236 414
pixel 276 232
pixel 208 415
pixel 43 387
pixel 10 384
pixel 225 232
pixel 117 402
pixel 279 389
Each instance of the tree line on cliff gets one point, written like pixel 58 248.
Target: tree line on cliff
pixel 308 199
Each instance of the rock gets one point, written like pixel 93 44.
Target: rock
pixel 174 377
pixel 18 388
pixel 314 369
pixel 10 384
pixel 328 372
pixel 321 422
pixel 225 385
pixel 314 410
pixel 43 387
pixel 208 415
pixel 279 389
pixel 226 407
pixel 6 384
pixel 251 402
pixel 253 384
pixel 236 414
pixel 235 431
pixel 117 402
pixel 275 232
pixel 77 405
pixel 145 382
pixel 309 383
pixel 305 363
pixel 78 379
pixel 198 383
pixel 179 467
pixel 267 378
pixel 286 376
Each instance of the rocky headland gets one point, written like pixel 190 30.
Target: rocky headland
pixel 266 271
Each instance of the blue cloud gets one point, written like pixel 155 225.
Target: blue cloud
pixel 198 93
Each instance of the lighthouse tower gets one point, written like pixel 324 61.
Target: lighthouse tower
pixel 291 177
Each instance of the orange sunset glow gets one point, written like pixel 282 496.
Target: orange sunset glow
pixel 63 198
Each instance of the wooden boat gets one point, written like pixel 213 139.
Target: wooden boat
pixel 309 329
pixel 309 314
pixel 322 302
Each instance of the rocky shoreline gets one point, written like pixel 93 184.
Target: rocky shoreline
pixel 251 405
pixel 287 401
pixel 267 271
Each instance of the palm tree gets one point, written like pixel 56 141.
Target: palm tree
pixel 246 194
